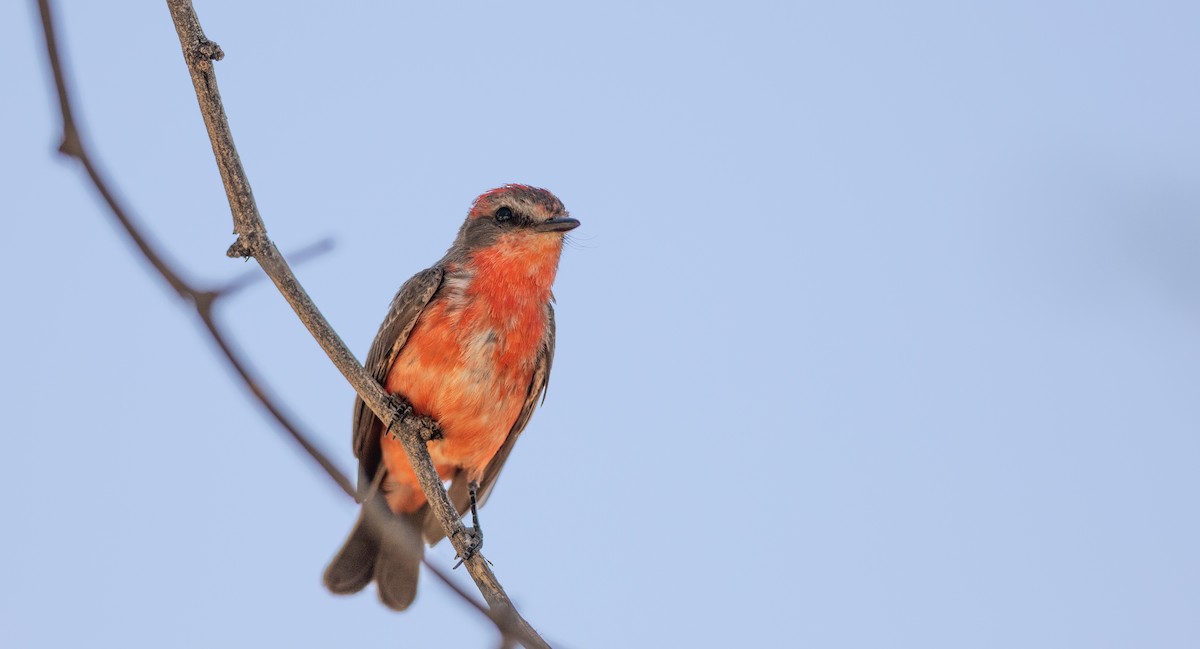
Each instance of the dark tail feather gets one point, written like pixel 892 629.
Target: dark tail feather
pixel 354 565
pixel 398 562
pixel 383 547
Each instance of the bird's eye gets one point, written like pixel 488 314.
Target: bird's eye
pixel 503 214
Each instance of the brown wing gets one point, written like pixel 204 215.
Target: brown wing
pixel 406 307
pixel 460 493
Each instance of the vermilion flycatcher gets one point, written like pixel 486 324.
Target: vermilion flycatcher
pixel 469 343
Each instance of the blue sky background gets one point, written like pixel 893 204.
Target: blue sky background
pixel 882 328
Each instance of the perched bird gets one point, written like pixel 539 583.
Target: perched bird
pixel 469 343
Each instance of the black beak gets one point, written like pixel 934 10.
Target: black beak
pixel 557 225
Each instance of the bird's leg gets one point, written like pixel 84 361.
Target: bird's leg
pixel 429 429
pixel 474 487
pixel 476 532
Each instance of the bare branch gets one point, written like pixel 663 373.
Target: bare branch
pixel 72 146
pixel 252 384
pixel 202 301
pixel 198 53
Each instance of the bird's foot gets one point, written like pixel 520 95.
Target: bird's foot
pixel 428 429
pixel 474 542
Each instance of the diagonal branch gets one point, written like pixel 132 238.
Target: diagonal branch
pixel 199 52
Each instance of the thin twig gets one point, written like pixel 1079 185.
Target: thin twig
pixel 203 301
pixel 250 277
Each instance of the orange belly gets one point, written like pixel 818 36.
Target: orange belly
pixel 470 371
